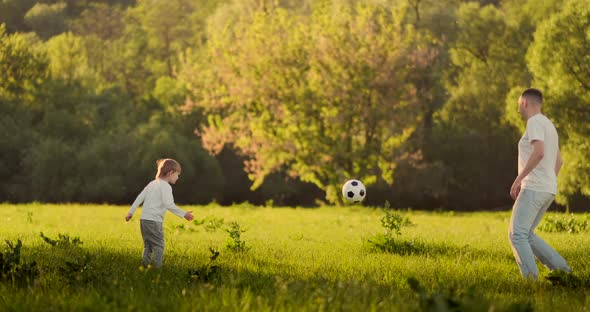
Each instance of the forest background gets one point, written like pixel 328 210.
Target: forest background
pixel 280 102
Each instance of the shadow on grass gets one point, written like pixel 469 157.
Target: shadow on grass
pixel 112 280
pixel 101 279
pixel 406 247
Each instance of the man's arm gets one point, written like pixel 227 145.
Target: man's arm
pixel 558 162
pixel 536 156
pixel 534 160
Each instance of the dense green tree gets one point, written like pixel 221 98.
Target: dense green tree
pixel 472 140
pixel 100 19
pixel 68 59
pixel 47 20
pixel 24 71
pixel 12 14
pixel 560 60
pixel 16 138
pixel 168 31
pixel 417 92
pixel 155 36
pixel 101 29
pixel 323 99
pixel 420 172
pixel 75 7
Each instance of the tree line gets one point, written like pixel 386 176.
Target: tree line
pixel 282 101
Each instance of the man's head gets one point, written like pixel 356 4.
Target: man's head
pixel 530 102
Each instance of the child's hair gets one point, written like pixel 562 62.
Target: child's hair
pixel 167 165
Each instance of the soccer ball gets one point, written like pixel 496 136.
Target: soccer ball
pixel 354 191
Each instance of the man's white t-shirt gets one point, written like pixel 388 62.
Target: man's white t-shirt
pixel 156 198
pixel 542 178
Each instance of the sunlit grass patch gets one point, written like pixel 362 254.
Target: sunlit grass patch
pixel 297 259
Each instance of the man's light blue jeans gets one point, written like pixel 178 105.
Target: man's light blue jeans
pixel 527 212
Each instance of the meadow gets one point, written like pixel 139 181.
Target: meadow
pixel 285 259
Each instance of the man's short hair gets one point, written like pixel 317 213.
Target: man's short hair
pixel 533 94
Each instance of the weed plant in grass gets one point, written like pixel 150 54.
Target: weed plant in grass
pixel 566 223
pixel 297 260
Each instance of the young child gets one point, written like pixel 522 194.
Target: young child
pixel 157 198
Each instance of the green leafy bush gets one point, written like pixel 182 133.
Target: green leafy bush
pixel 234 241
pixel 207 272
pixel 11 268
pixel 63 240
pixel 210 223
pixel 393 222
pixel 565 223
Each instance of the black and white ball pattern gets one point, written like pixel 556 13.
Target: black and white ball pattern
pixel 354 191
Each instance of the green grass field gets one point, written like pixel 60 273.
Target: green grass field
pixel 296 259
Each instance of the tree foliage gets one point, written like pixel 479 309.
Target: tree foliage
pixel 560 59
pixel 415 97
pixel 47 20
pixel 322 97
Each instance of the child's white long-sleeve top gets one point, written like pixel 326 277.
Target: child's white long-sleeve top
pixel 156 198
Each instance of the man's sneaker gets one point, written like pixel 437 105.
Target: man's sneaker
pixel 562 278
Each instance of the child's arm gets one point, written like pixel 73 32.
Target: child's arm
pixel 138 201
pixel 168 200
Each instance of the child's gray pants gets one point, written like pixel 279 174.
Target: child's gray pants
pixel 153 241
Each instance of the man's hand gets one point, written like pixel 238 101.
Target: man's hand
pixel 128 217
pixel 515 189
pixel 189 216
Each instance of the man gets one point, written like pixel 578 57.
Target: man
pixel 539 161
